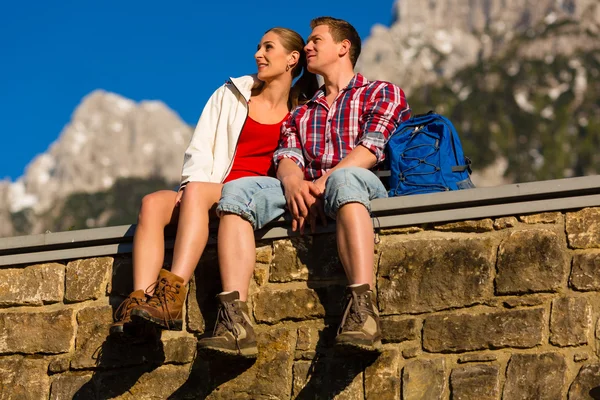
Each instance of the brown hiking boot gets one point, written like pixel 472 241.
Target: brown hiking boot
pixel 123 313
pixel 165 307
pixel 233 334
pixel 359 329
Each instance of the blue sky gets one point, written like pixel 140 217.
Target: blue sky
pixel 54 53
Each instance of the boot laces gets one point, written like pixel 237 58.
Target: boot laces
pixel 356 312
pixel 226 318
pixel 164 293
pixel 124 309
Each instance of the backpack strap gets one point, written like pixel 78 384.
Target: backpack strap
pixel 462 168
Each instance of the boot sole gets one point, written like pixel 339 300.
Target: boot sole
pixel 143 316
pixel 248 352
pixel 348 347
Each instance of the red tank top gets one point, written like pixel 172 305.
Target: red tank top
pixel 255 148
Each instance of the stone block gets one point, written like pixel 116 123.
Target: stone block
pixel 180 350
pixel 478 357
pixel 194 318
pixel 460 332
pixel 531 261
pixel 305 257
pixel 261 274
pixel 264 254
pixel 570 321
pixel 585 274
pixel 71 386
pixel 396 330
pixel 33 286
pixel 434 274
pixel 24 378
pixel 523 301
pixel 542 218
pixel 88 279
pixel 583 228
pixel 535 376
pixel 401 231
pixel 411 352
pixel 477 382
pixel 505 222
pixel 59 364
pixel 587 383
pixel 307 338
pixel 37 332
pixel 382 377
pixel 424 379
pixel 301 372
pixel 477 226
pixel 296 304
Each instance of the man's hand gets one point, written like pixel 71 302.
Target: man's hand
pixel 299 199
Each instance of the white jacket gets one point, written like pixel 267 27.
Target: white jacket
pixel 209 156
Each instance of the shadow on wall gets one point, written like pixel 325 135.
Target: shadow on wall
pixel 329 373
pixel 141 357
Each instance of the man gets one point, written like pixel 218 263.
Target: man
pixel 326 150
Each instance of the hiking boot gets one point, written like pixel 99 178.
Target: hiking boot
pixel 233 334
pixel 123 313
pixel 165 306
pixel 359 329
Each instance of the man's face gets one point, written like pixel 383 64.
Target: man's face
pixel 321 50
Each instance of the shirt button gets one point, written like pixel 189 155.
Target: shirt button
pixel 329 120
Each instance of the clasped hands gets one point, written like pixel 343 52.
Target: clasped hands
pixel 305 202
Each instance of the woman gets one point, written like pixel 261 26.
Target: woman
pixel 236 136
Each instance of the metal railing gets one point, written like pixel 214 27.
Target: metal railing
pixel 515 199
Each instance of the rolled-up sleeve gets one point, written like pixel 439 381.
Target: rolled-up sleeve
pixel 289 144
pixel 385 110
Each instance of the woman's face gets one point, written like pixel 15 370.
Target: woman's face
pixel 271 57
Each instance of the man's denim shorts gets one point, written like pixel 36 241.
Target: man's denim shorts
pixel 260 200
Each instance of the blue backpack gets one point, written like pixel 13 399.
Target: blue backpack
pixel 425 156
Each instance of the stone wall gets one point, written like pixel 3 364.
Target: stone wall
pixel 496 308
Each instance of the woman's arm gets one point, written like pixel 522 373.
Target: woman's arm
pixel 198 159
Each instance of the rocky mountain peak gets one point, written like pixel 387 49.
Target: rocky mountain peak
pixel 108 137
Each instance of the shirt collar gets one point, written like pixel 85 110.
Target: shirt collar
pixel 358 80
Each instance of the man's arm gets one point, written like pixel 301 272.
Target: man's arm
pixel 386 108
pixel 289 160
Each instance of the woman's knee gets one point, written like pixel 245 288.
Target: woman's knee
pixel 157 206
pixel 202 193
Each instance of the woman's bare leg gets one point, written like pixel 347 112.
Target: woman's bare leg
pixel 192 229
pixel 237 254
pixel 157 211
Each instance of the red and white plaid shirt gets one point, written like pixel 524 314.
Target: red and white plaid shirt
pixel 317 137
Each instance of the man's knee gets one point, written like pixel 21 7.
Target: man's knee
pixel 351 185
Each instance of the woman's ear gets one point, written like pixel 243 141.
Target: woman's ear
pixel 293 59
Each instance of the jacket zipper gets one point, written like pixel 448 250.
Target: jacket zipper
pixel 238 139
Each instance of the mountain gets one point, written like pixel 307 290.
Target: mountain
pixel 519 79
pixel 108 138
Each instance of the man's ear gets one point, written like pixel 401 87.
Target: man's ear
pixel 344 47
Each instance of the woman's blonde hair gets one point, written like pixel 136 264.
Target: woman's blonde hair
pixel 306 86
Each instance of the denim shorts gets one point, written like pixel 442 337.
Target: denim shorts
pixel 260 200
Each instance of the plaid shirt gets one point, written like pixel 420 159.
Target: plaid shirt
pixel 317 136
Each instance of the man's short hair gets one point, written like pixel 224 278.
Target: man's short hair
pixel 341 30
